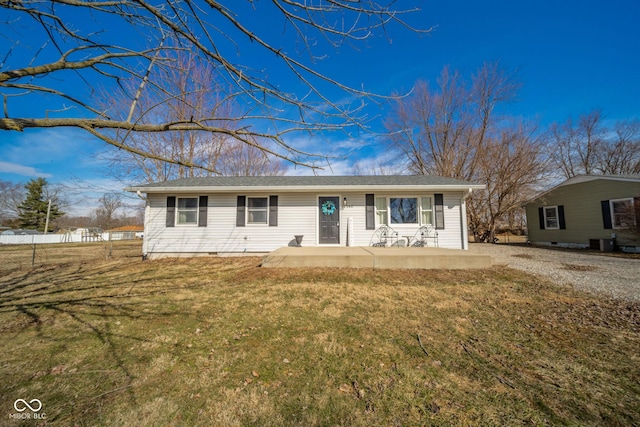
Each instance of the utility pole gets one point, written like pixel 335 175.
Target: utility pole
pixel 46 224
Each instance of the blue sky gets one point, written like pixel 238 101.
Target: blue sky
pixel 572 57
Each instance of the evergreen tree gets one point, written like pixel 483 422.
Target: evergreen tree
pixel 33 210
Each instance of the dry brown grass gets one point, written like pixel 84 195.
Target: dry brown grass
pixel 579 267
pixel 17 257
pixel 214 341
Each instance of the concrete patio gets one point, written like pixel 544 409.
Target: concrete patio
pixel 375 258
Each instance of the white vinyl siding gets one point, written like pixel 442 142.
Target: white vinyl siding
pixel 450 237
pixel 298 214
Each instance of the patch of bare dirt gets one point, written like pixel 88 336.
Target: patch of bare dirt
pixel 579 267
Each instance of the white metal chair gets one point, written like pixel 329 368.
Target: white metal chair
pixel 383 236
pixel 423 235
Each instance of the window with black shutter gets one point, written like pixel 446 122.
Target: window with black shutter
pixel 171 211
pixel 273 211
pixel 202 211
pixel 439 210
pixel 370 211
pixel 242 201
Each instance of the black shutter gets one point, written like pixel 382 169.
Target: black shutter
pixel 561 222
pixel 202 211
pixel 541 217
pixel 171 211
pixel 273 211
pixel 439 205
pixel 370 211
pixel 242 201
pixel 606 215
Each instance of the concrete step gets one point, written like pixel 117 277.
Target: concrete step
pixel 374 257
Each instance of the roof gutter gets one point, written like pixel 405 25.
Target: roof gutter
pixel 302 188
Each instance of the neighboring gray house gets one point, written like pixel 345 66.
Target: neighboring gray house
pixel 232 215
pixel 595 211
pixel 20 232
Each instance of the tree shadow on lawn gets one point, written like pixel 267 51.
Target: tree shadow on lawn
pixel 53 316
pixel 110 337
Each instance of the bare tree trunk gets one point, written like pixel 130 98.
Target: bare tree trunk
pixel 453 131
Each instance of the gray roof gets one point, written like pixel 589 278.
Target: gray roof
pixel 20 232
pixel 228 183
pixel 593 177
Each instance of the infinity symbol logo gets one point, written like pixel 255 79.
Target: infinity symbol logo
pixel 34 408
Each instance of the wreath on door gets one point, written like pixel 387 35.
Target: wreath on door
pixel 328 207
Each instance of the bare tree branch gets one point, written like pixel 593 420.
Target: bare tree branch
pixel 589 146
pixel 73 32
pixel 453 130
pixel 197 91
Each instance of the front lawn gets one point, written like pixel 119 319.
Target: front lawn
pixel 220 341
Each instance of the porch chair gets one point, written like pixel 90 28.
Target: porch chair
pixel 383 235
pixel 423 235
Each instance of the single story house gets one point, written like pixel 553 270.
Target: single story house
pixel 126 232
pixel 20 232
pixel 251 215
pixel 587 211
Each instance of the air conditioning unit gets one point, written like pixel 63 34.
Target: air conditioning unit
pixel 602 245
pixel 606 245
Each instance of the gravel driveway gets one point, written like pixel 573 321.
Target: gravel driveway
pixel 612 277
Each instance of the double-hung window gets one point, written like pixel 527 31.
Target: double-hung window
pixel 426 211
pixel 622 213
pixel 551 218
pixel 257 210
pixel 187 210
pixel 381 210
pixel 404 210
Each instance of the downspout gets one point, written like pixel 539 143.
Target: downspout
pixel 145 235
pixel 463 219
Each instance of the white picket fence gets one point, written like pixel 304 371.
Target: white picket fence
pixel 39 239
